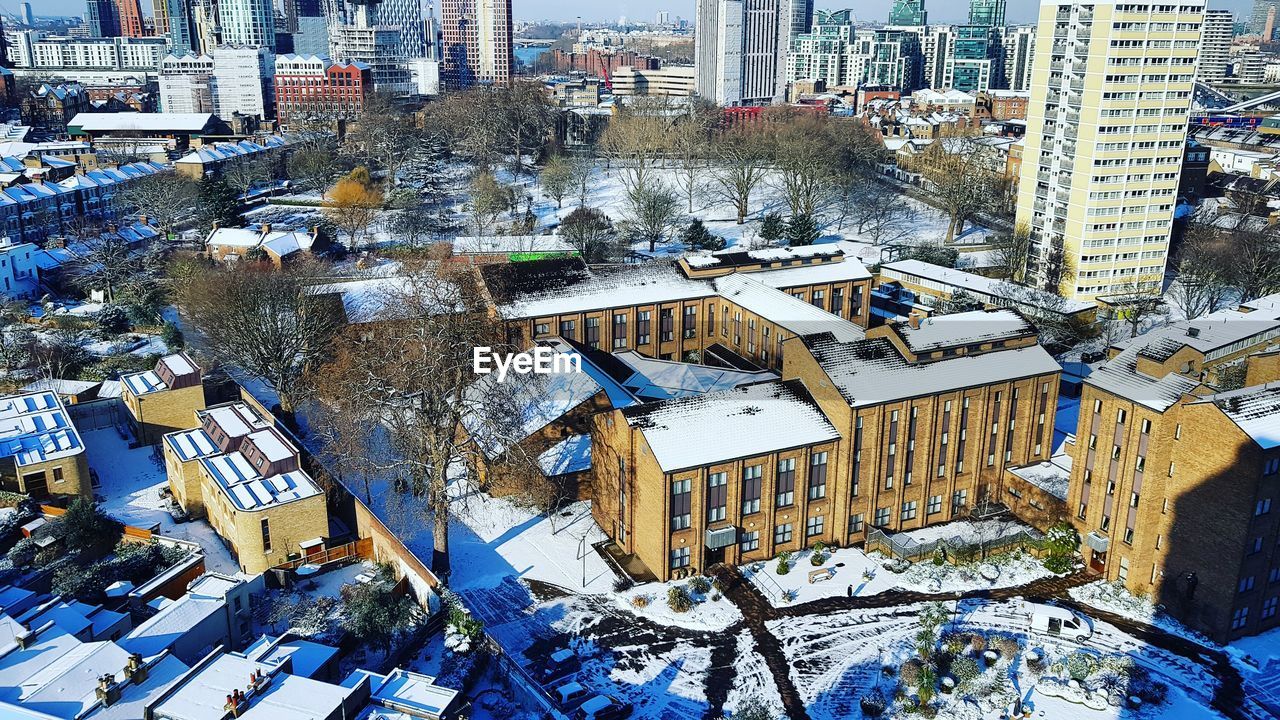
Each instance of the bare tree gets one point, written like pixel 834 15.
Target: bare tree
pixel 312 167
pixel 1011 252
pixel 655 211
pixel 104 262
pixel 878 212
pixel 557 179
pixel 638 137
pixel 803 160
pixel 263 321
pixel 416 383
pixel 385 137
pixel 165 196
pixel 490 199
pixel 592 235
pixel 1255 248
pixel 245 173
pixel 964 183
pixel 526 120
pixel 742 166
pixel 1136 301
pixel 690 139
pixel 1204 269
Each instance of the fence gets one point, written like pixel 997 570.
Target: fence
pixel 357 550
pixel 956 547
pixel 95 415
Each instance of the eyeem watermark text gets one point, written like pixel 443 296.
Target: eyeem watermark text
pixel 538 361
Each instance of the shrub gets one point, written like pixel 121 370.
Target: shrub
pixel 640 601
pixel 1006 646
pixel 965 670
pixel 978 643
pixel 874 703
pixel 700 585
pixel 172 336
pixel 1059 564
pixel 678 599
pixel 926 684
pixel 1080 666
pixel 87 529
pixel 910 672
pixel 784 556
pixel 23 553
pixel 817 558
pixel 112 320
pixel 783 567
pixel 622 584
pixel 938 558
pixel 81 583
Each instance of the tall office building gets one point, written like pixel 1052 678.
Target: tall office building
pixel 909 13
pixel 1215 45
pixel 204 14
pixel 1019 45
pixel 736 53
pixel 175 21
pixel 247 22
pixel 987 12
pixel 796 20
pixel 937 43
pixel 1110 97
pixel 976 61
pixel 102 18
pixel 476 45
pixel 28 18
pixel 129 15
pixel 1263 16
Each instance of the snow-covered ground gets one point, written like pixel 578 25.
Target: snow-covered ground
pixel 131 484
pixel 1114 598
pixel 711 611
pixel 859 574
pixel 837 659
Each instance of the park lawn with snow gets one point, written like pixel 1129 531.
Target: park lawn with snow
pixel 839 659
pixel 131 483
pixel 1113 597
pixel 854 572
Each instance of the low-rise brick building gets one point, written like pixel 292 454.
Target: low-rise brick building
pixel 41 453
pixel 165 399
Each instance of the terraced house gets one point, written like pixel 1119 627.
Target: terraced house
pixel 905 426
pixel 1173 479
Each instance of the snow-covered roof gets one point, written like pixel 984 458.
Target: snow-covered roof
pixel 737 256
pixel 985 289
pixel 163 630
pixel 782 309
pixel 1256 410
pixel 141 122
pixel 537 289
pixel 377 299
pixel 570 455
pixel 967 328
pixel 743 422
pixel 35 428
pixel 306 658
pixel 144 382
pixel 248 490
pixel 191 444
pixel 869 372
pixel 202 694
pixel 1052 476
pixel 235 419
pixel 655 379
pixel 415 694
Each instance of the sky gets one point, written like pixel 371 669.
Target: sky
pixel 1020 11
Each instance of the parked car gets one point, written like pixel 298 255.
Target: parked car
pixel 1059 622
pixel 570 695
pixel 561 663
pixel 1093 356
pixel 603 707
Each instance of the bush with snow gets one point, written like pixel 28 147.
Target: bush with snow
pixel 1081 665
pixel 965 670
pixel 874 703
pixel 641 601
pixel 679 600
pixel 700 585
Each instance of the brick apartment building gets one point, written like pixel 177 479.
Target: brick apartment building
pixel 1002 104
pixel 1172 482
pixel 907 427
pixel 743 304
pixel 597 63
pixel 164 399
pixel 312 88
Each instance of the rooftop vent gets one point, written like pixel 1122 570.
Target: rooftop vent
pixel 1193 332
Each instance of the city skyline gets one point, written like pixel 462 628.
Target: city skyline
pixel 1019 11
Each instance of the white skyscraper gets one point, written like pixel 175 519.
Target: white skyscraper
pixel 1215 47
pixel 1106 135
pixel 248 22
pixel 233 80
pixel 736 50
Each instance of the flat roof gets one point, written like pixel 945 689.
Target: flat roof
pixel 988 290
pixel 144 382
pixel 966 328
pixel 104 122
pixel 249 490
pixel 202 694
pixel 35 428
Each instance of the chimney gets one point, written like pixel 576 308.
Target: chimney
pixel 142 219
pixel 914 321
pixel 135 671
pixel 26 640
pixel 266 229
pixel 107 692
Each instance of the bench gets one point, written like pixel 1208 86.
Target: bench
pixel 820 575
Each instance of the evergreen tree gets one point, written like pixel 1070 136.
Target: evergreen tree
pixel 698 237
pixel 772 228
pixel 801 230
pixel 218 203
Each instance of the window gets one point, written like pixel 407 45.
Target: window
pixel 57 475
pixel 935 504
pixel 1245 584
pixel 689 324
pixel 1269 607
pixel 1146 427
pixel 882 516
pixel 1257 546
pixel 541 329
pixel 818 476
pixel 681 497
pixel 1123 574
pixel 266 536
pixel 786 482
pixel 567 328
pixel 1120 416
pixel 909 510
pixel 751 489
pixel 1272 467
pixel 856 523
pixel 1106 522
pixel 1262 507
pixel 667 324
pixel 642 327
pixel 837 301
pixel 813 526
pixel 717 496
pixel 680 558
pixel 619 330
pixel 1240 618
pixel 749 541
pixel 959 499
pixel 593 332
pixel 782 534
pixel 819 299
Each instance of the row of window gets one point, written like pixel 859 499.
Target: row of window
pixel 752 480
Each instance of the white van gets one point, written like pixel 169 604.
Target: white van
pixel 1059 622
